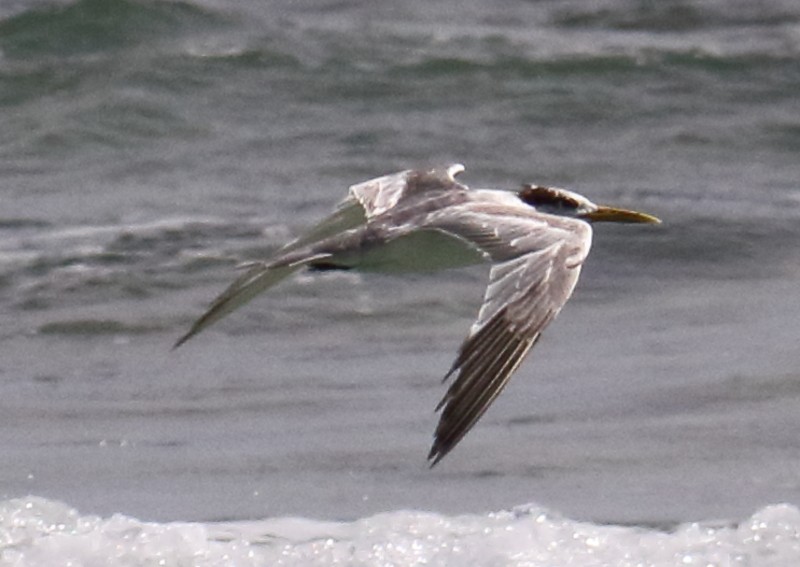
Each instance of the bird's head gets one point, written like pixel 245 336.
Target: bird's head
pixel 556 201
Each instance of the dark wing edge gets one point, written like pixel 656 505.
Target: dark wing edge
pixel 502 337
pixel 491 357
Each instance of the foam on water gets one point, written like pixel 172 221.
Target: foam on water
pixel 35 531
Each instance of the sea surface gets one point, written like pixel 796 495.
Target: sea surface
pixel 148 147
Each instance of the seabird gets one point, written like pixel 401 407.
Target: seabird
pixel 536 240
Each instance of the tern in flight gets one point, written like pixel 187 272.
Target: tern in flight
pixel 536 240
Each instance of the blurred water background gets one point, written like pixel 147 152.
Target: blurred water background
pixel 147 147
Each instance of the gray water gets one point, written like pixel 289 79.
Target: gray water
pixel 148 147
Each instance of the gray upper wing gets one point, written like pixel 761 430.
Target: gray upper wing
pixel 379 195
pixel 365 201
pixel 537 262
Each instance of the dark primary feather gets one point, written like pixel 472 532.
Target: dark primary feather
pixel 486 362
pixel 524 294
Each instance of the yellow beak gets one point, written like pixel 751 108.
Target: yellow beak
pixel 613 214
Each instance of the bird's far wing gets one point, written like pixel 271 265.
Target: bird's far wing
pixel 348 215
pixel 365 201
pixel 379 195
pixel 261 276
pixel 256 279
pixel 525 292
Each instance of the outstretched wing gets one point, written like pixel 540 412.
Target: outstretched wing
pixel 256 279
pixel 537 262
pixel 365 201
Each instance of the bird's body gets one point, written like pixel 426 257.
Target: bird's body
pixel 536 241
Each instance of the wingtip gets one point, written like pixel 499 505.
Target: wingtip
pixel 180 341
pixel 438 452
pixel 185 337
pixel 434 457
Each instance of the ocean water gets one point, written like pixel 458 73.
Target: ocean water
pixel 41 532
pixel 147 147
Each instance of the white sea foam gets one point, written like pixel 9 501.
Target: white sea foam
pixel 39 532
